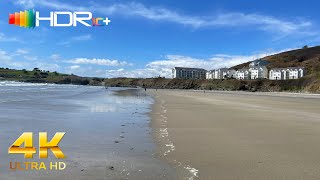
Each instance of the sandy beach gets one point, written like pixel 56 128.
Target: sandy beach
pixel 107 131
pixel 237 135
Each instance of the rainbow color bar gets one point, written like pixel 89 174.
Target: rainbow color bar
pixel 23 19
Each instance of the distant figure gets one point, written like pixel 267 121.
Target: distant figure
pixel 145 89
pixel 204 91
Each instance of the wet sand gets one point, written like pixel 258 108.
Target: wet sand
pixel 237 135
pixel 107 132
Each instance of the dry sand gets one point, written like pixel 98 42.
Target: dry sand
pixel 235 135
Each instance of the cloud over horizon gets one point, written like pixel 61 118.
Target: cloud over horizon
pixel 164 67
pixel 100 62
pixel 95 67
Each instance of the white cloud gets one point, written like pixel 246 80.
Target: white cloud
pixel 69 41
pixel 4 56
pixel 11 60
pixel 6 60
pixel 85 71
pixel 31 58
pixel 64 43
pixel 21 51
pixel 101 62
pixel 55 57
pixel 4 38
pixel 226 19
pixel 85 37
pixel 74 67
pixel 164 67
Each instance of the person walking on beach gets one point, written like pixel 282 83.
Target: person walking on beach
pixel 144 86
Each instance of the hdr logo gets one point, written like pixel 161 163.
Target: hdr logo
pixel 31 19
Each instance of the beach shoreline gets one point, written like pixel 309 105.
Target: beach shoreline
pixel 237 135
pixel 107 131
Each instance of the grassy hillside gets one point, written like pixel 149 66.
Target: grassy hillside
pixel 38 76
pixel 306 57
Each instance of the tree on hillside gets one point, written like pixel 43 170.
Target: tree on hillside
pixel 305 47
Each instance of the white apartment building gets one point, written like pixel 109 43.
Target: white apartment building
pixel 259 72
pixel 243 74
pixel 188 73
pixel 286 73
pixel 221 73
pixel 210 74
pixel 216 74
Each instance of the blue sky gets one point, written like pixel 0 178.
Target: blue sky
pixel 147 38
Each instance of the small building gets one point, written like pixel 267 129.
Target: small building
pixel 188 73
pixel 277 74
pixel 210 74
pixel 287 73
pixel 295 72
pixel 243 74
pixel 222 73
pixel 258 72
pixel 232 73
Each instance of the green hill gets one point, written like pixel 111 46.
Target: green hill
pixel 40 76
pixel 306 57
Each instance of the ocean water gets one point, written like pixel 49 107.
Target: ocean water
pixel 107 131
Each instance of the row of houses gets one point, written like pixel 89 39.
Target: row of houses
pixel 256 70
pixel 287 73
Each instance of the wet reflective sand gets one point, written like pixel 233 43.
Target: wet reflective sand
pixel 107 131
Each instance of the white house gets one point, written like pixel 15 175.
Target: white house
pixel 258 72
pixel 210 74
pixel 243 73
pixel 188 73
pixel 286 73
pixel 216 74
pixel 295 72
pixel 277 74
pixel 221 73
pixel 232 73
